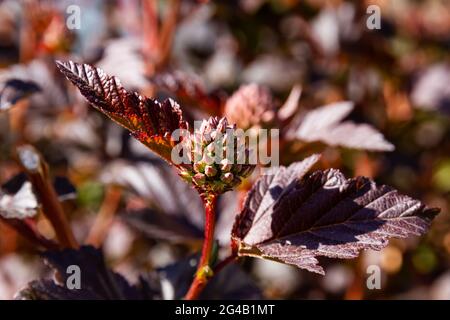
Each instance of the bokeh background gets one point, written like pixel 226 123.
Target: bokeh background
pixel 398 77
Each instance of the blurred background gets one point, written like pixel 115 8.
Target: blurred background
pixel 199 52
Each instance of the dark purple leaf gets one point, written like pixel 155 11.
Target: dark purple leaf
pixel 14 90
pixel 158 183
pixel 63 187
pixel 48 290
pixel 431 90
pixel 294 220
pixel 151 122
pixel 97 280
pixel 157 225
pixel 177 213
pixel 325 124
pixel 231 283
pixel 52 95
pixel 266 191
pixel 181 226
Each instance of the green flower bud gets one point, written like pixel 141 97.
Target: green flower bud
pixel 199 179
pixel 208 144
pixel 199 166
pixel 185 175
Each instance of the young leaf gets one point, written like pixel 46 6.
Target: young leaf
pixel 293 220
pixel 324 124
pixel 149 121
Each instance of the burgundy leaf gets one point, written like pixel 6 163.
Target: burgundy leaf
pixel 293 220
pixel 149 121
pixel 265 192
pixel 176 214
pixel 48 290
pixel 63 187
pixel 98 282
pixel 40 83
pixel 231 283
pixel 14 90
pixel 169 227
pixel 325 124
pixel 431 91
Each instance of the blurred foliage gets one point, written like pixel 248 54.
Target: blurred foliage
pixel 398 78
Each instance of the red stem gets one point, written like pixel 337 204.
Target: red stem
pixel 27 229
pixel 204 271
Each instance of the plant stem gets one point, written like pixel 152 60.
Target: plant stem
pixel 105 216
pixel 53 210
pixel 204 271
pixel 27 229
pixel 37 171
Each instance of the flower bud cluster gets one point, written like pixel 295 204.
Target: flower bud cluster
pixel 218 157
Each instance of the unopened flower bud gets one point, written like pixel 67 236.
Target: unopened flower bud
pixel 227 177
pixel 207 176
pixel 210 171
pixel 251 105
pixel 185 175
pixel 199 179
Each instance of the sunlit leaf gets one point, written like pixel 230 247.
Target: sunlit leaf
pixel 150 121
pixel 290 106
pixel 294 220
pixel 325 124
